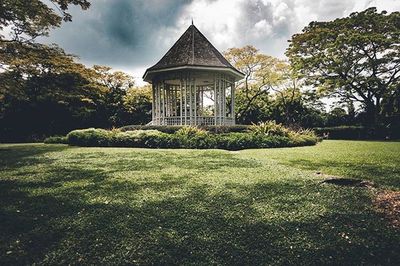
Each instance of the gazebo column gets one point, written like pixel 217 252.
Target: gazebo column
pixel 153 106
pixel 175 102
pixel 185 101
pixel 202 101
pixel 215 100
pixel 166 101
pixel 195 101
pixel 180 102
pixel 163 105
pixel 233 102
pixel 223 100
pixel 159 103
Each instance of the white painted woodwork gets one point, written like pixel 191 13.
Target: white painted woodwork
pixel 179 99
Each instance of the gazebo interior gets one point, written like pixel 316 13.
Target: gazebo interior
pixel 194 98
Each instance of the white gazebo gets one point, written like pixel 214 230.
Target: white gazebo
pixel 193 84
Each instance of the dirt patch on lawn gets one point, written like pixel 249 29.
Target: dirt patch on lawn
pixel 388 203
pixel 347 182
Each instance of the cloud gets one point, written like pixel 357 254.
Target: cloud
pixel 131 35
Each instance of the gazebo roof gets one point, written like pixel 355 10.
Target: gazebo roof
pixel 192 51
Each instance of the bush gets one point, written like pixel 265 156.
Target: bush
pixel 190 137
pixel 173 129
pixel 56 140
pixel 90 137
pixel 164 129
pixel 269 128
pixel 359 132
pixel 226 129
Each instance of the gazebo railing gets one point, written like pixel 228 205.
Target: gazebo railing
pixel 199 121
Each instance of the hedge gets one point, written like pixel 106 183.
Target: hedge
pixel 56 140
pixel 358 132
pixel 187 137
pixel 173 129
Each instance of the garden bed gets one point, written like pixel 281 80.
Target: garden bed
pixel 265 135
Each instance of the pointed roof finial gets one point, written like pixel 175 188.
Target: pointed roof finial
pixel 192 21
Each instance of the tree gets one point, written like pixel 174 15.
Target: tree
pixel 42 89
pixel 115 85
pixel 29 19
pixel 138 103
pixel 262 72
pixel 356 58
pixel 46 94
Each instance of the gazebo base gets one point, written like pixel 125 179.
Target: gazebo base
pixel 194 121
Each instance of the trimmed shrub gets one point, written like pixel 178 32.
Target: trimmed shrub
pixel 226 129
pixel 173 129
pixel 90 137
pixel 56 140
pixel 192 137
pixel 359 132
pixel 303 137
pixel 165 129
pixel 269 128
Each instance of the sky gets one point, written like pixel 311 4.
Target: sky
pixel 132 35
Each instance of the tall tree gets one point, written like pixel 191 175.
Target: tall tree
pixel 138 103
pixel 356 58
pixel 29 19
pixel 262 72
pixel 46 93
pixel 42 89
pixel 115 84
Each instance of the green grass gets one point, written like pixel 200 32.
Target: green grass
pixel 70 205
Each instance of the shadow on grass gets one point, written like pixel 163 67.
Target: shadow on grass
pixel 63 227
pixel 72 214
pixel 377 173
pixel 21 155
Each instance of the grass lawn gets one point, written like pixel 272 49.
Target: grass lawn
pixel 70 205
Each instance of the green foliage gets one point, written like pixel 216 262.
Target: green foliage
pixel 356 58
pixel 137 104
pixel 173 129
pixel 290 137
pixel 56 140
pixel 31 19
pixel 271 91
pixel 165 129
pixel 359 132
pixel 42 89
pixel 226 129
pixel 303 137
pixel 90 137
pixel 115 86
pixel 190 131
pixel 269 128
pixel 187 137
pixel 262 73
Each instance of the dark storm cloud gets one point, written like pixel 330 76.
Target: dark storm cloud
pixel 120 32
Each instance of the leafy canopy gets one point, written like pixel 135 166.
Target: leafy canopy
pixel 28 19
pixel 262 73
pixel 357 57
